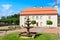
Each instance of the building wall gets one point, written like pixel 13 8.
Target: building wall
pixel 41 19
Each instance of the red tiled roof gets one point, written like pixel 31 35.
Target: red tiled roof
pixel 38 11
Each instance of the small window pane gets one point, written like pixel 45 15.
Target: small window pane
pixel 36 17
pixel 32 17
pixel 49 17
pixel 25 17
pixel 40 17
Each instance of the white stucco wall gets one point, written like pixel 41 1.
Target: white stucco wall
pixel 41 18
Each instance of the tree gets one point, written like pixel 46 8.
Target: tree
pixel 49 22
pixel 3 19
pixel 10 19
pixel 33 22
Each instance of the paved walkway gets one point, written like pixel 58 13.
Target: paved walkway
pixel 44 30
pixel 8 32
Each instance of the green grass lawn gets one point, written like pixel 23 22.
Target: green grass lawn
pixel 43 36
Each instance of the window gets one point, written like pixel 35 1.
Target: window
pixel 49 17
pixel 36 17
pixel 32 17
pixel 40 17
pixel 40 23
pixel 25 17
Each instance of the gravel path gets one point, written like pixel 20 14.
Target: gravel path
pixel 44 30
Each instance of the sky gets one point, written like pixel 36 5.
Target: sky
pixel 10 7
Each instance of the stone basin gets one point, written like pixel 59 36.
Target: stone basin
pixel 30 35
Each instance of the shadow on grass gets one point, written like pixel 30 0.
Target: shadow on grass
pixel 38 35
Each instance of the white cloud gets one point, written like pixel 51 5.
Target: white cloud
pixel 6 6
pixel 51 4
pixel 9 12
pixel 6 10
pixel 59 7
pixel 59 11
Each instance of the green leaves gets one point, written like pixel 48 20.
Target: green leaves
pixel 33 22
pixel 10 19
pixel 49 22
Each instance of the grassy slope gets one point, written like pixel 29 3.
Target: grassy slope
pixel 44 36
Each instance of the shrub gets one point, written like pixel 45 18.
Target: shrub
pixel 33 22
pixel 49 22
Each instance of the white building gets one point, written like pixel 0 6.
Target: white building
pixel 41 15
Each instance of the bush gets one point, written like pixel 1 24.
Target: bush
pixel 49 22
pixel 33 22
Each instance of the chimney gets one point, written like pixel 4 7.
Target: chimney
pixel 34 7
pixel 41 7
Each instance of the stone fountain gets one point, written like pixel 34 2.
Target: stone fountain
pixel 28 34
